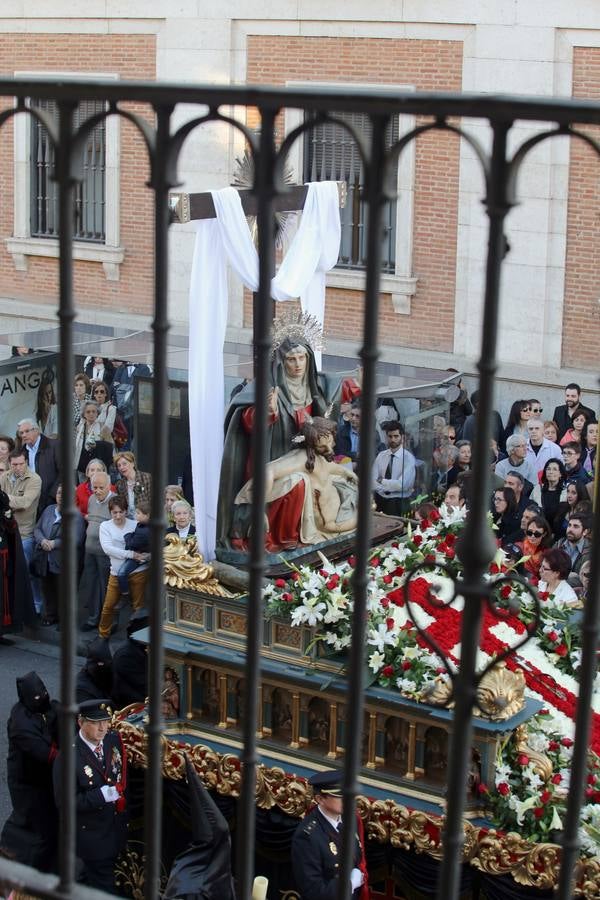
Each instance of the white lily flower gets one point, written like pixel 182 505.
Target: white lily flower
pixel 380 637
pixel 308 615
pixel 333 614
pixel 556 821
pixel 503 773
pixel 376 661
pixel 521 806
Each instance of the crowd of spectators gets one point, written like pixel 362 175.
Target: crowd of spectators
pixel 542 476
pixel 112 496
pixel 542 472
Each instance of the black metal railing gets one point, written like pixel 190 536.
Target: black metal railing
pixel 163 144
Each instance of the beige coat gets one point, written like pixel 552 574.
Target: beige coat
pixel 24 494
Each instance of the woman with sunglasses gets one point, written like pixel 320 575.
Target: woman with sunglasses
pixel 538 538
pixel 554 570
pixel 107 411
pixel 518 417
pixel 550 492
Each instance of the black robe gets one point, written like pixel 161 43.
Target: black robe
pixel 30 833
pixel 130 674
pixel 16 600
pixel 203 870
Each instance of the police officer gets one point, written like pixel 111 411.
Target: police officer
pixel 317 845
pixel 101 776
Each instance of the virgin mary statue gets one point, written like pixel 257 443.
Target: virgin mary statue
pixel 297 390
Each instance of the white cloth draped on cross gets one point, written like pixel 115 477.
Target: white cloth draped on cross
pixel 227 239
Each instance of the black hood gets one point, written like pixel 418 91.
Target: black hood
pixel 32 693
pixel 203 871
pixel 99 651
pixel 99 664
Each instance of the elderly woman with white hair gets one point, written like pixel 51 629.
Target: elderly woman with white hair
pixel 182 514
pixel 518 461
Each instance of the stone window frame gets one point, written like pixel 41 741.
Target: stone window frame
pixel 22 245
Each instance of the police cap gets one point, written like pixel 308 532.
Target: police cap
pixel 328 783
pixel 96 710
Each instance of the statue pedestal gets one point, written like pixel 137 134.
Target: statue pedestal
pixel 383 528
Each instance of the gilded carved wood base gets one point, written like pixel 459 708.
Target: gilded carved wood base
pixel 534 865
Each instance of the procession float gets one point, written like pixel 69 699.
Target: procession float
pixel 529 653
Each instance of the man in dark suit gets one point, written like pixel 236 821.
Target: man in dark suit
pixel 101 776
pixel 317 845
pixel 122 394
pixel 43 458
pixel 564 415
pixel 348 436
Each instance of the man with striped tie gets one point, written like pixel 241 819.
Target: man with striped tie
pixel 394 472
pixel 101 775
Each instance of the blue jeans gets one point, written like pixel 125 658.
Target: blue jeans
pixel 36 583
pixel 129 566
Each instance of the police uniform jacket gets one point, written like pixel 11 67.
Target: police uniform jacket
pixel 316 858
pixel 101 827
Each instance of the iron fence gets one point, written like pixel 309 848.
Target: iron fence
pixel 163 143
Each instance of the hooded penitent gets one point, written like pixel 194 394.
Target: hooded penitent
pixel 99 664
pixel 32 693
pixel 203 870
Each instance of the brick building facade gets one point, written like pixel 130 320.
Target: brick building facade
pixel 432 302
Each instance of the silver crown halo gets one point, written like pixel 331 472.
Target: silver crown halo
pixel 293 324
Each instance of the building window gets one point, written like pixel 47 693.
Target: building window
pixel 96 215
pixel 330 154
pixel 90 193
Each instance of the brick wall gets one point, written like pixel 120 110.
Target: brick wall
pixel 129 56
pixel 581 318
pixel 428 65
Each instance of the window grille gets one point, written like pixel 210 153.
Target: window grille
pixel 90 193
pixel 330 153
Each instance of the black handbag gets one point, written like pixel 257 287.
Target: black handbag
pixel 39 562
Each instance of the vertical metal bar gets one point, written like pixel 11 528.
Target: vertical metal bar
pixel 590 635
pixel 68 593
pixel 476 546
pixel 369 355
pixel 100 230
pixel 156 588
pixel 264 167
